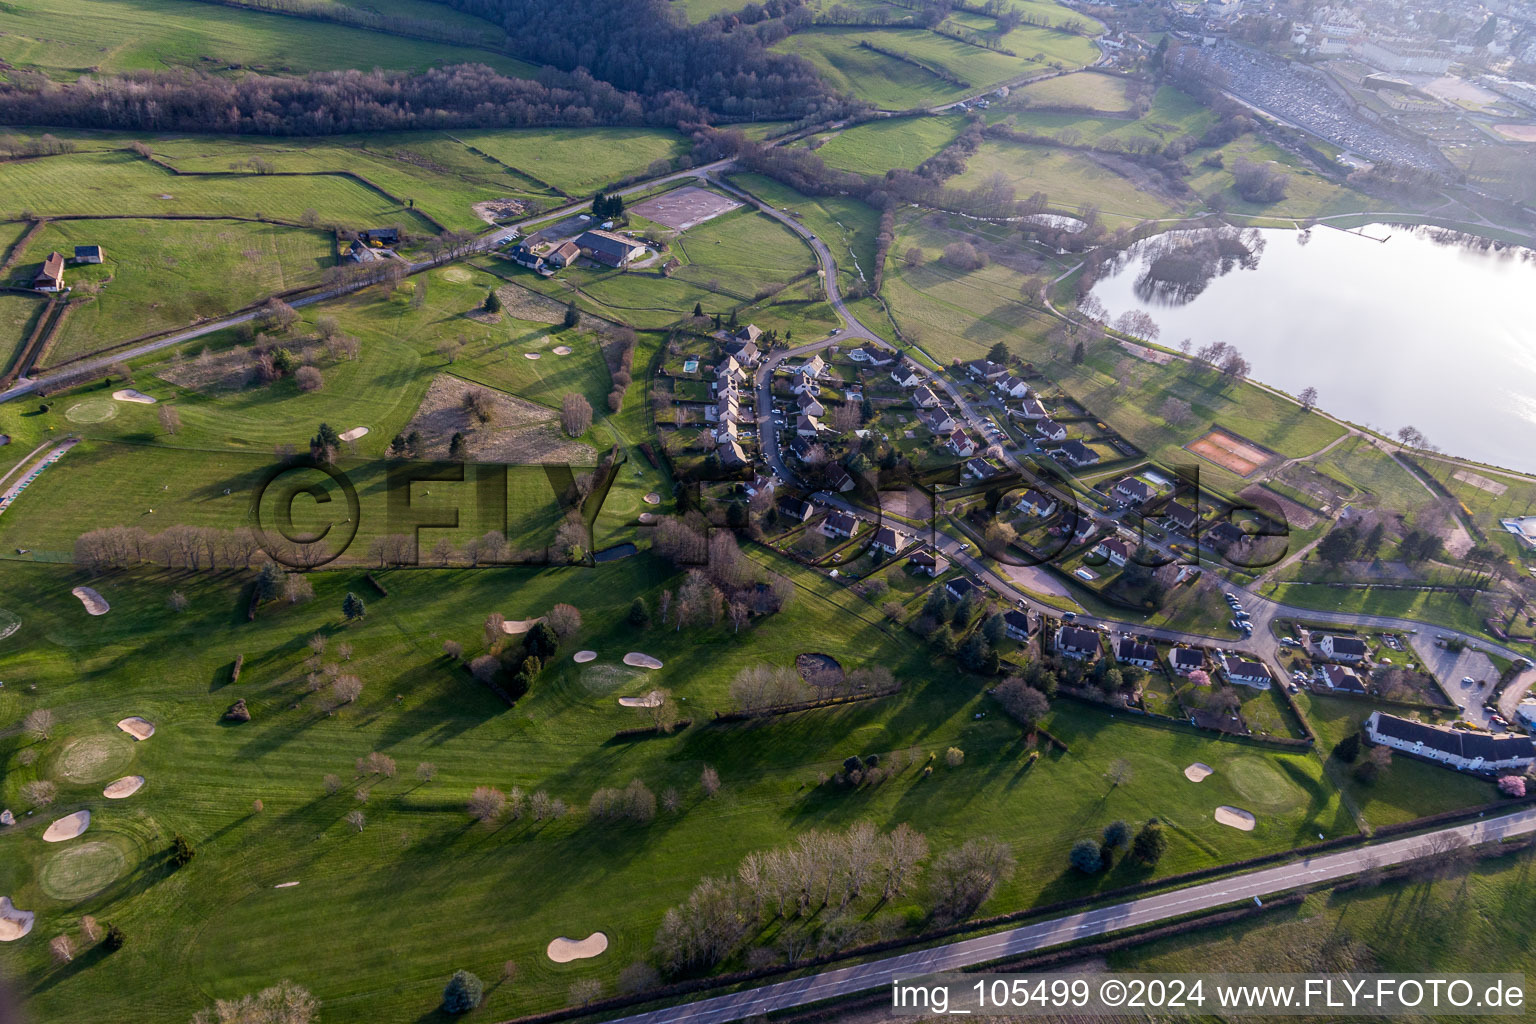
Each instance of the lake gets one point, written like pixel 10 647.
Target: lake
pixel 1403 332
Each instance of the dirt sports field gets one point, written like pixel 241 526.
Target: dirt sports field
pixel 684 208
pixel 1230 452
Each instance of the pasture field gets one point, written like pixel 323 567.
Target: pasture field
pixel 119 184
pixel 1173 114
pixel 579 161
pixel 848 227
pixel 899 142
pixel 894 84
pixel 160 274
pixel 703 10
pixel 387 913
pixel 63 41
pixel 1087 89
pixel 1308 193
pixel 1071 180
pixel 18 315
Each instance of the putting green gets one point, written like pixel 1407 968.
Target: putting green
pixel 607 678
pixel 76 872
pixel 94 758
pixel 458 275
pixel 92 410
pixel 1263 785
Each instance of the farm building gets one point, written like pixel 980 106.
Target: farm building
pixel 89 254
pixel 386 238
pixel 50 278
pixel 607 248
pixel 563 255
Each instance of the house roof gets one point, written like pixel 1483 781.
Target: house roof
pixel 1225 533
pixel 53 266
pixel 1181 514
pixel 960 587
pixel 606 243
pixel 875 355
pixel 986 368
pixel 1035 499
pixel 731 453
pixel 960 439
pixel 927 558
pixel 1459 742
pixel 800 446
pixel 1135 488
pixel 924 394
pixel 1011 382
pixel 1341 678
pixel 1348 645
pixel 1077 638
pixel 1131 649
pixel 1114 546
pixel 86 251
pixel 1017 619
pixel 887 537
pixel 980 468
pixel 795 507
pixel 933 419
pixel 1032 405
pixel 750 333
pixel 1048 426
pixel 1187 657
pixel 805 400
pixel 837 475
pixel 1077 451
pixel 842 522
pixel 566 251
pixel 1242 668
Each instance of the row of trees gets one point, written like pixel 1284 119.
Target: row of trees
pixel 759 688
pixel 176 547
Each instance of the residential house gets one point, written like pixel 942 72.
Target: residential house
pixel 807 426
pixel 523 255
pixel 872 356
pixel 1012 387
pixel 1051 430
pixel 1461 749
pixel 1083 528
pixel 1181 516
pixel 89 254
pixel 760 483
pixel 809 405
pixel 978 469
pixel 838 478
pixel 928 562
pixel 744 351
pixel 904 375
pixel 936 420
pixel 1075 453
pixel 961 443
pixel 50 278
pixel 1117 551
pixel 1016 625
pixel 729 370
pixel 888 540
pixel 1224 534
pixel 726 433
pixel 1340 677
pixel 1241 671
pixel 986 370
pixel 801 446
pixel 1186 660
pixel 840 524
pixel 802 382
pixel 1076 642
pixel 1130 651
pixel 357 252
pixel 730 454
pixel 563 255
pixel 607 248
pixel 924 398
pixel 385 238
pixel 748 334
pixel 813 367
pixel 961 588
pixel 1132 491
pixel 1035 503
pixel 1030 409
pixel 797 509
pixel 1341 648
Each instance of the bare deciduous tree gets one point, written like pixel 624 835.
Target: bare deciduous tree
pixel 575 414
pixel 487 803
pixel 358 820
pixel 709 781
pixel 347 689
pixel 426 771
pixel 39 792
pixel 63 948
pixel 39 724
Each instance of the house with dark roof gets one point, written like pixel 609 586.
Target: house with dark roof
pixel 936 420
pixel 357 252
pixel 1016 625
pixel 744 351
pixel 1186 659
pixel 523 255
pixel 872 356
pixel 978 469
pixel 386 238
pixel 1132 491
pixel 840 524
pixel 50 276
pixel 797 509
pixel 89 254
pixel 1115 550
pixel 748 334
pixel 1051 430
pixel 961 443
pixel 1034 503
pixel 813 367
pixel 1075 453
pixel 1076 642
pixel 838 478
pixel 1012 387
pixel 905 375
pixel 986 370
pixel 1340 677
pixel 1130 651
pixel 961 588
pixel 924 398
pixel 1461 749
pixel 809 404
pixel 807 426
pixel 928 562
pixel 1243 672
pixel 1083 528
pixel 888 540
pixel 800 447
pixel 607 248
pixel 1224 534
pixel 1341 648
pixel 1181 516
pixel 730 453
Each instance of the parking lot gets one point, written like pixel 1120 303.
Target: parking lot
pixel 1451 667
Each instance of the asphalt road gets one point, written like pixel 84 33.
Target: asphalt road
pixel 1017 942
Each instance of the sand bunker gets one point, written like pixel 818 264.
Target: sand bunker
pixel 138 728
pixel 650 700
pixel 634 659
pixel 130 395
pixel 353 434
pixel 1198 771
pixel 94 603
pixel 68 827
pixel 530 355
pixel 652 499
pixel 564 950
pixel 1236 817
pixel 517 627
pixel 123 787
pixel 561 350
pixel 582 657
pixel 14 923
pixel 647 517
pixel 285 885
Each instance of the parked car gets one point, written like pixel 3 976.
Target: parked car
pixel 1290 641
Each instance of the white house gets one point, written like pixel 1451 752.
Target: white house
pixel 1186 660
pixel 1461 749
pixel 1016 625
pixel 814 366
pixel 872 356
pixel 1117 551
pixel 809 405
pixel 1342 648
pixel 797 510
pixel 924 398
pixel 806 426
pixel 1131 651
pixel 960 588
pixel 1030 409
pixel 961 443
pixel 936 420
pixel 929 563
pixel 906 376
pixel 986 370
pixel 1338 677
pixel 1247 673
pixel 1076 642
pixel 1036 504
pixel 1051 430
pixel 1078 454
pixel 840 524
pixel 1132 491
pixel 888 540
pixel 1012 387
